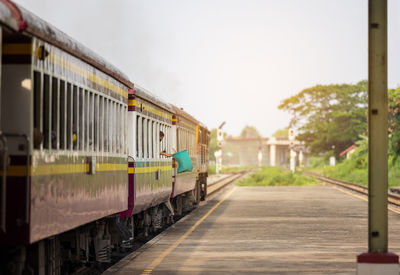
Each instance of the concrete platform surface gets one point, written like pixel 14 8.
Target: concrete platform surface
pixel 264 230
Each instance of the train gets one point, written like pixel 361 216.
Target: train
pixel 82 174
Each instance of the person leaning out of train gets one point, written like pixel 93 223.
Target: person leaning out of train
pixel 163 152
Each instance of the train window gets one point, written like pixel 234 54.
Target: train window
pixel 81 120
pixel 112 126
pixel 75 118
pixel 140 135
pixel 101 123
pixel 167 139
pixel 110 130
pixel 36 108
pixel 150 137
pixel 162 141
pixel 46 112
pixel 124 126
pixel 54 113
pixel 62 116
pixel 105 123
pixel 95 122
pixel 137 136
pixel 69 114
pixel 145 143
pixel 90 120
pixel 87 119
pixel 117 127
pixel 156 140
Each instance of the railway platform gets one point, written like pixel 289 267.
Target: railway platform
pixel 264 230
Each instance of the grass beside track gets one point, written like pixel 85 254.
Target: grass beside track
pixel 275 176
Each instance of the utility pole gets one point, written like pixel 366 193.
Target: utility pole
pixel 218 153
pixel 377 260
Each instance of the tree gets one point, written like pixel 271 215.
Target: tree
pixel 250 132
pixel 281 133
pixel 394 122
pixel 329 117
pixel 213 144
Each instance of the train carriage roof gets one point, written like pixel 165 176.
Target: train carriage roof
pixel 19 19
pixel 182 113
pixel 145 94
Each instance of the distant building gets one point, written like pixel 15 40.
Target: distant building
pixel 240 151
pixel 348 151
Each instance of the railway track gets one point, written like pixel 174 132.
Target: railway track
pixel 393 199
pixel 218 185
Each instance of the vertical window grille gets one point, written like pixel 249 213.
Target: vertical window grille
pixel 101 123
pixel 140 134
pixel 76 119
pixel 69 115
pixel 54 113
pixel 117 127
pixel 62 117
pixel 90 123
pixel 36 109
pixel 105 122
pixel 82 118
pixel 113 127
pixel 96 123
pixel 110 126
pixel 137 136
pixel 87 119
pixel 144 137
pixel 46 112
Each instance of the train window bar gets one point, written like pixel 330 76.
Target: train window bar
pixel 54 113
pixel 76 119
pixel 69 114
pixel 145 140
pixel 96 122
pixel 62 117
pixel 37 94
pixel 87 119
pixel 157 140
pixel 137 136
pixel 101 123
pixel 110 127
pixel 105 123
pixel 46 112
pixel 81 120
pixel 114 127
pixel 140 148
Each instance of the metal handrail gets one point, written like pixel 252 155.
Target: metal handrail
pixel 3 141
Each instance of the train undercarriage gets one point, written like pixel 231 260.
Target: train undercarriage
pixel 92 248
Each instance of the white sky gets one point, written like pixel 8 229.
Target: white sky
pixel 227 60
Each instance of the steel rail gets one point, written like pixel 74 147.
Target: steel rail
pixel 392 198
pixel 218 185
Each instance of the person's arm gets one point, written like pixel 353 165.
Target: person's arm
pixel 166 154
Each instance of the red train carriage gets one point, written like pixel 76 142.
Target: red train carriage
pixel 150 173
pixel 63 123
pixel 70 125
pixel 185 140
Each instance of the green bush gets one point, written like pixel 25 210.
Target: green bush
pixel 274 176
